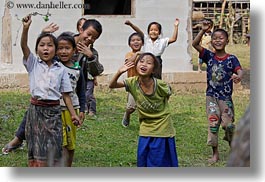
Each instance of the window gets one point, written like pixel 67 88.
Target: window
pixel 108 7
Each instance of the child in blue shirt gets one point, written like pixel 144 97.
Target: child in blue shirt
pixel 223 70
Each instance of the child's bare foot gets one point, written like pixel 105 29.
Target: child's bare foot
pixel 214 159
pixel 215 156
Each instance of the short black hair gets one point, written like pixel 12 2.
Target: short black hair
pixel 221 30
pixel 94 23
pixel 67 37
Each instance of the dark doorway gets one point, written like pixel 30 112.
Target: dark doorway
pixel 108 7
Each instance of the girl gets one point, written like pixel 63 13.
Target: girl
pixel 17 141
pixel 154 43
pixel 156 144
pixel 65 52
pixel 48 83
pixel 136 42
pixel 222 70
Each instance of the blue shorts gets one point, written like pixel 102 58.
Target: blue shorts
pixel 157 152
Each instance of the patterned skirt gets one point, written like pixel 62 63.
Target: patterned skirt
pixel 44 136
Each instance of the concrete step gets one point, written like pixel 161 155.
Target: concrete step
pixel 180 81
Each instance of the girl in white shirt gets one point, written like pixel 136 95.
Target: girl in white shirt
pixel 154 42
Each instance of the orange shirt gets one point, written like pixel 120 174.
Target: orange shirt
pixel 132 71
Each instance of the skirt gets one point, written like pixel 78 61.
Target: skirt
pixel 157 152
pixel 44 135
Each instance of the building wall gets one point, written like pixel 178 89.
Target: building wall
pixel 112 45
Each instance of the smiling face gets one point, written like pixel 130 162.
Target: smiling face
pixel 146 65
pixel 219 40
pixel 136 43
pixel 65 51
pixel 46 49
pixel 89 36
pixel 154 30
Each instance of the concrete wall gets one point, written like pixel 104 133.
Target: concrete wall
pixel 112 45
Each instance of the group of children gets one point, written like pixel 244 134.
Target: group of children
pixel 48 129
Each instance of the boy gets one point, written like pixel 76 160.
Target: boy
pixel 222 70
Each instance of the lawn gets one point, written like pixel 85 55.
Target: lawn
pixel 103 142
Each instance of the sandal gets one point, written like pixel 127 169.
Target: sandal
pixel 9 148
pixel 125 121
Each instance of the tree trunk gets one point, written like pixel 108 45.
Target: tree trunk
pixel 240 147
pixel 222 14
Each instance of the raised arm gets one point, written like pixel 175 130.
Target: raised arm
pixel 196 42
pixel 175 33
pixel 134 27
pixel 114 81
pixel 24 37
pixel 51 28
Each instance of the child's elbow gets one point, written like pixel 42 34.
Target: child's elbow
pixel 111 86
pixel 194 44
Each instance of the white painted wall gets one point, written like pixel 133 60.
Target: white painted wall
pixel 112 45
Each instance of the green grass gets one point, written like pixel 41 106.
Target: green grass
pixel 103 142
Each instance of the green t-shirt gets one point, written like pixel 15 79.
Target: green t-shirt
pixel 154 116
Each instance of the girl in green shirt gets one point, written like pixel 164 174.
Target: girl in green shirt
pixel 156 144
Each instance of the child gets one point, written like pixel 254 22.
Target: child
pixel 222 70
pixel 136 42
pixel 156 144
pixel 17 141
pixel 89 33
pixel 79 24
pixel 65 51
pixel 154 42
pixel 48 83
pixel 206 42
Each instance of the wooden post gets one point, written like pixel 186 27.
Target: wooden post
pixel 222 13
pixel 6 43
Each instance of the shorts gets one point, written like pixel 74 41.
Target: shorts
pixel 219 113
pixel 69 130
pixel 200 61
pixel 130 102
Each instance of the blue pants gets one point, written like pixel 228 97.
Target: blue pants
pixel 90 98
pixel 21 130
pixel 157 152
